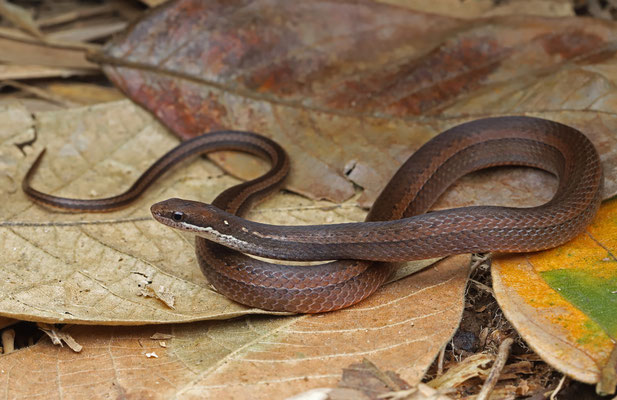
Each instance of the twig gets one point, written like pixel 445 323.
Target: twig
pixel 478 259
pixel 442 354
pixel 493 376
pixel 558 388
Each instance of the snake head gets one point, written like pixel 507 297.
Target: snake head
pixel 204 220
pixel 191 216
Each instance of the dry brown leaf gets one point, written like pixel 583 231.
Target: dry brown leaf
pixel 352 94
pixel 91 268
pixel 179 364
pixel 400 328
pixel 407 320
pixel 95 152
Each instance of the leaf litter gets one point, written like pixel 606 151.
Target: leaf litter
pixel 365 173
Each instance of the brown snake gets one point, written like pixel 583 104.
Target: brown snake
pixel 397 227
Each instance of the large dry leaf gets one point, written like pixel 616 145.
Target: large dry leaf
pixel 563 301
pixel 121 267
pixel 96 268
pixel 400 328
pixel 89 268
pixel 92 269
pixel 340 84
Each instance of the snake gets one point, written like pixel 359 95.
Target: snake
pixel 399 227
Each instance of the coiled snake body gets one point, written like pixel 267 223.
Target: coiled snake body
pixel 397 227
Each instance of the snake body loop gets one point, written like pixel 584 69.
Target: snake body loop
pixel 396 229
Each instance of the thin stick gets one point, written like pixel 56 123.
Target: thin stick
pixel 478 259
pixel 493 375
pixel 442 354
pixel 558 388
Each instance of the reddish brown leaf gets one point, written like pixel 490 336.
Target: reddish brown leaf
pixel 337 82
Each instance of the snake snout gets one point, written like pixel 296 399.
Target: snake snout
pixel 170 211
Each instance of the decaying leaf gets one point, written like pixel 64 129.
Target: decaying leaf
pixel 352 92
pixel 402 327
pixel 345 103
pixel 564 301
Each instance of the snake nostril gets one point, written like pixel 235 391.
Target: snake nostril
pixel 177 216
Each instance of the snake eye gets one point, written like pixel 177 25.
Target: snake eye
pixel 177 216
